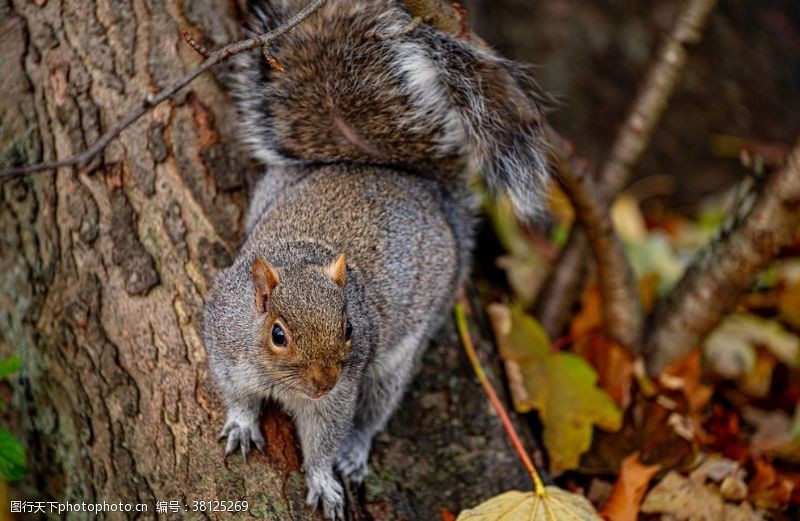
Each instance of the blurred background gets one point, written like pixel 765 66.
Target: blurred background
pixel 742 80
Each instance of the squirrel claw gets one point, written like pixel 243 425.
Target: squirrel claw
pixel 243 437
pixel 323 487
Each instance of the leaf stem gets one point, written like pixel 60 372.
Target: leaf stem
pixel 466 341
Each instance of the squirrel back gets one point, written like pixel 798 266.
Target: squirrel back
pixel 353 84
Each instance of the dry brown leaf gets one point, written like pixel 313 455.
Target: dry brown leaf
pixel 683 499
pixel 789 303
pixel 628 491
pixel 768 489
pixel 684 375
pixel 773 432
pixel 613 362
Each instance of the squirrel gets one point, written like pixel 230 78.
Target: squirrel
pixel 361 231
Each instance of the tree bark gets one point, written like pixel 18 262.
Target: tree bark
pixel 104 272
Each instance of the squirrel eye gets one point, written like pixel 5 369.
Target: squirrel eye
pixel 348 330
pixel 278 336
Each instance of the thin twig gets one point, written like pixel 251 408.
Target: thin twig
pixel 622 309
pixel 150 101
pixel 768 220
pixel 564 286
pixel 194 44
pixel 466 340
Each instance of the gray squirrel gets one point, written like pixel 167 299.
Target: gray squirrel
pixel 361 231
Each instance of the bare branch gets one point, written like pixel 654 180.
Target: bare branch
pixel 566 283
pixel 636 132
pixel 150 101
pixel 622 310
pixel 725 267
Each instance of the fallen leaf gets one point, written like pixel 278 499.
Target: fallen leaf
pixel 733 488
pixel 612 361
pixel 717 469
pixel 768 489
pixel 789 303
pixel 757 382
pixel 560 386
pixel 628 491
pixel 774 434
pixel 524 265
pixel 524 277
pixel 724 432
pixel 446 515
pixel 730 348
pixel 684 375
pixel 643 431
pixel 655 256
pixel 590 316
pixel 555 505
pixel 686 499
pixel 627 219
pixel 741 512
pixel 683 498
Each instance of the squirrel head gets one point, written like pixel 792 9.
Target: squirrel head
pixel 304 338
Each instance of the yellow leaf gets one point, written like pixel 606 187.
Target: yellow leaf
pixel 554 505
pixel 525 267
pixel 628 219
pixel 560 386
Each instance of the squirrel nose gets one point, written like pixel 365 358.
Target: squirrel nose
pixel 322 379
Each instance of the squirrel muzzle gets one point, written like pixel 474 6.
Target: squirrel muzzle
pixel 320 380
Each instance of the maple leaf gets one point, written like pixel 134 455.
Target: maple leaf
pixel 560 386
pixel 554 504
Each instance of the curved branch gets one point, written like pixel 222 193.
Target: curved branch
pixel 622 309
pixel 725 267
pixel 151 100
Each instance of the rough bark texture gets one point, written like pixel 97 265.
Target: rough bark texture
pixel 103 275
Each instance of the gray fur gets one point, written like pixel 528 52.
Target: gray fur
pixel 368 143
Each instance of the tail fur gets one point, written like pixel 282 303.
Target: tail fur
pixel 423 100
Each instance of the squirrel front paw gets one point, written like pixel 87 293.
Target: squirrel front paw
pixel 241 431
pixel 325 488
pixel 353 456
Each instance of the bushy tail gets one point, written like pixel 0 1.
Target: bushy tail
pixel 356 85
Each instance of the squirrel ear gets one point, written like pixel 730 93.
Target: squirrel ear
pixel 265 278
pixel 337 270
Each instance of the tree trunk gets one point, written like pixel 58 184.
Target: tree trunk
pixel 104 271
